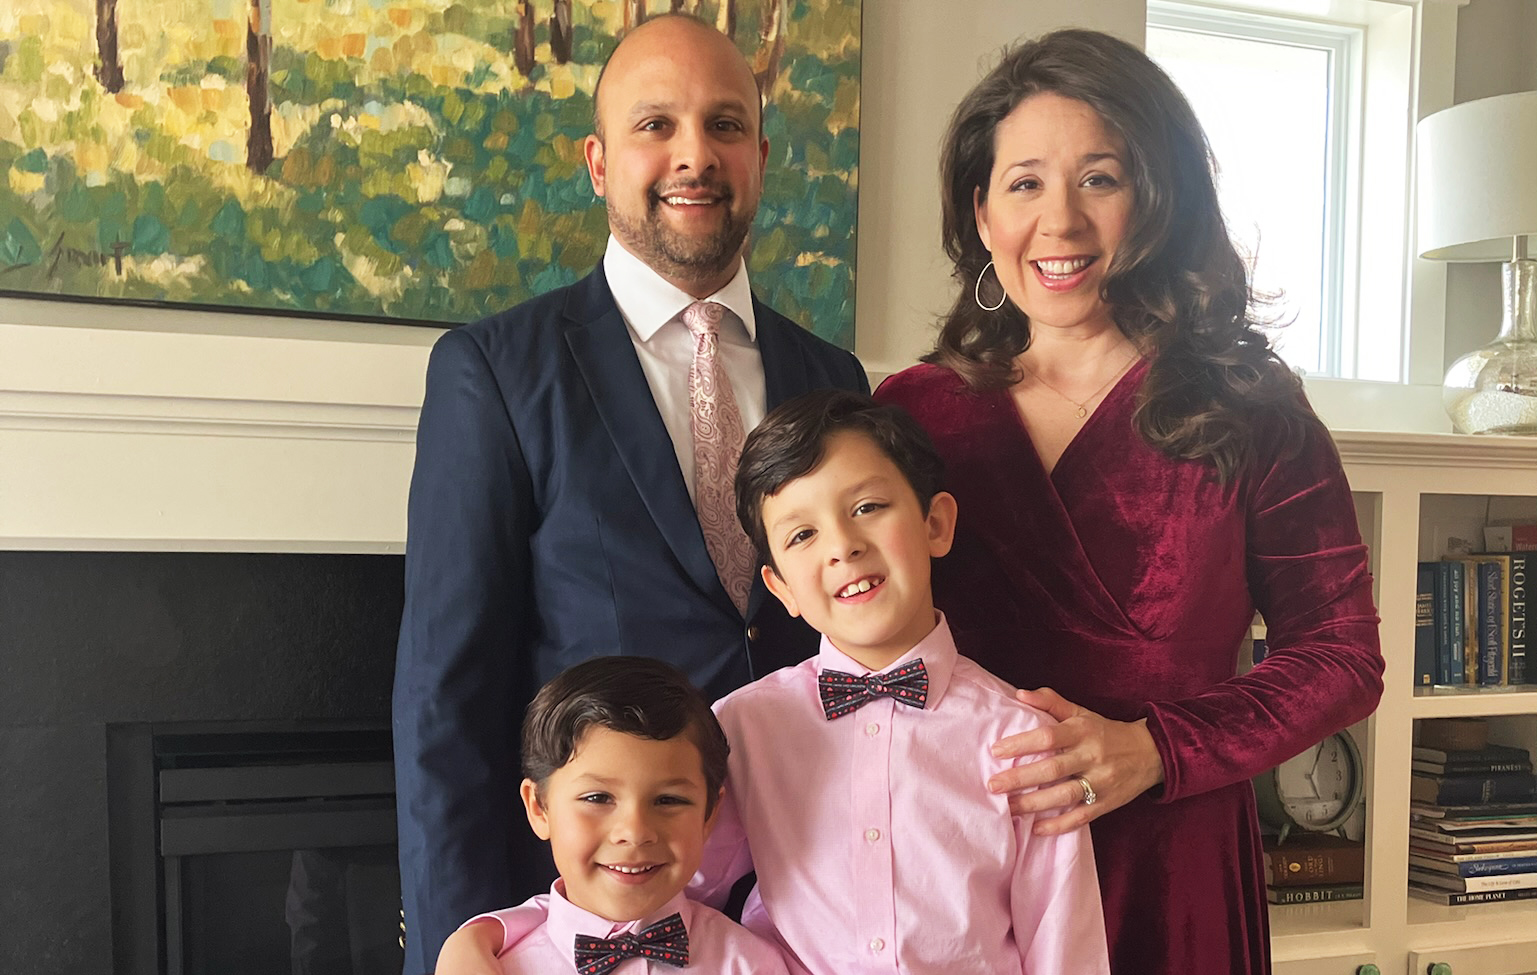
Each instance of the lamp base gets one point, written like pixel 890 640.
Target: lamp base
pixel 1494 390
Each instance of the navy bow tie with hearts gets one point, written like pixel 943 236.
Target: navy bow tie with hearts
pixel 665 941
pixel 846 693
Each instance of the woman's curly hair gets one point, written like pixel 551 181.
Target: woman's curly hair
pixel 1176 285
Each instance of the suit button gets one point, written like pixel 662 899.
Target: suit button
pixel 752 634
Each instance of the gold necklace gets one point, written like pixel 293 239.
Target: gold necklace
pixel 1081 405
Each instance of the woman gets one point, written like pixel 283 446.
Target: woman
pixel 1136 473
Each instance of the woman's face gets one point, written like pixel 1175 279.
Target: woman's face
pixel 1058 203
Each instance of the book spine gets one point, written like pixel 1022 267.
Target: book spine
pixel 1316 895
pixel 1497 866
pixel 1523 538
pixel 1491 623
pixel 1477 897
pixel 1445 880
pixel 1503 881
pixel 1470 614
pixel 1470 768
pixel 1490 896
pixel 1518 591
pixel 1456 668
pixel 1473 789
pixel 1312 868
pixel 1425 625
pixel 1447 637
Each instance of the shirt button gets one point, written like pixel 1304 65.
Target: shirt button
pixel 872 729
pixel 872 834
pixel 876 944
pixel 752 634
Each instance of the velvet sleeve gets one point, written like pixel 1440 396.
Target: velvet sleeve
pixel 1308 576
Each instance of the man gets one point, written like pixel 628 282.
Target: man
pixel 573 472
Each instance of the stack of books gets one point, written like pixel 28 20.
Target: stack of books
pixel 1310 868
pixel 1473 825
pixel 1471 620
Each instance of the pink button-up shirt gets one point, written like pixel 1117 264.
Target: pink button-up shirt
pixel 877 845
pixel 716 944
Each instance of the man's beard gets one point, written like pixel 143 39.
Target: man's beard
pixel 674 254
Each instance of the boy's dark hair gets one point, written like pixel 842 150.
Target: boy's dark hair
pixel 631 695
pixel 792 440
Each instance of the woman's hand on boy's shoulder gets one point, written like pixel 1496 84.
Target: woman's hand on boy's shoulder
pixel 1118 759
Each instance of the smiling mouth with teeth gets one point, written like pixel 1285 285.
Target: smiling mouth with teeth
pixel 855 588
pixel 1063 269
pixel 630 871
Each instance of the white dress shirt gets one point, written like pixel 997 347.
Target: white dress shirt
pixel 653 310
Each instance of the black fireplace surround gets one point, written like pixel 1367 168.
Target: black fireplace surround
pixel 136 654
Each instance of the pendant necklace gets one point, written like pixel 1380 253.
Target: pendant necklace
pixel 1081 405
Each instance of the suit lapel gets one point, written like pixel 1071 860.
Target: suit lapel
pixel 784 365
pixel 600 343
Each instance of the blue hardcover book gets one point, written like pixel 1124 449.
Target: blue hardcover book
pixel 1518 587
pixel 1491 622
pixel 1497 866
pixel 1451 627
pixel 1425 625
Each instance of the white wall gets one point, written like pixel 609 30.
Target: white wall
pixel 124 427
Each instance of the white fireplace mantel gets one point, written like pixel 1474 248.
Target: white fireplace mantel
pixel 158 430
pixel 140 429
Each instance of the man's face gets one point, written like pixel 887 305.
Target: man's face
pixel 680 162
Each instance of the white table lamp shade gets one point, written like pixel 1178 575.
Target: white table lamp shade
pixel 1477 178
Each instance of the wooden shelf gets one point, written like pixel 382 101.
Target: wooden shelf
pixel 1473 922
pixel 1459 702
pixel 1410 490
pixel 1305 923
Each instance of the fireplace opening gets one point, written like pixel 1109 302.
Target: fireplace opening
pixel 253 847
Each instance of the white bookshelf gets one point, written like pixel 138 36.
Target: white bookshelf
pixel 1410 491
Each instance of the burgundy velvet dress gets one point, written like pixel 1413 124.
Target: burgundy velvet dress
pixel 1126 581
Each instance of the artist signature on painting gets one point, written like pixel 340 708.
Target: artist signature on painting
pixel 59 254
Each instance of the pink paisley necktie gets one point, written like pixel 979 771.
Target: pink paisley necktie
pixel 718 436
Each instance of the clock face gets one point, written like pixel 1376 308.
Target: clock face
pixel 1315 787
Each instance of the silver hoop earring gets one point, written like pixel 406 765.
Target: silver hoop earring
pixel 976 292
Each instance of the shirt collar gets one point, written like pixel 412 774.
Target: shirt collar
pixel 937 650
pixel 648 301
pixel 565 920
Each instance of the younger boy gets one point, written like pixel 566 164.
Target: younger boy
pixel 624 763
pixel 856 777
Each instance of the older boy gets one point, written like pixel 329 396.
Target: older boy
pixel 855 777
pixel 623 765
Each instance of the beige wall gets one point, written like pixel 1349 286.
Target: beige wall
pixel 1496 55
pixel 919 59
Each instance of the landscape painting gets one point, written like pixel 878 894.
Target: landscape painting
pixel 413 161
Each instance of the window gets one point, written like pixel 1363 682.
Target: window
pixel 1309 106
pixel 1284 188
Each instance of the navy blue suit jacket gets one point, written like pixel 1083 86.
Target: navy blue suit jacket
pixel 549 523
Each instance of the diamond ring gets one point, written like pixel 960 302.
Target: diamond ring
pixel 1089 795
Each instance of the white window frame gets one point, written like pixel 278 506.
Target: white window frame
pixel 1391 306
pixel 1343 44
